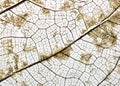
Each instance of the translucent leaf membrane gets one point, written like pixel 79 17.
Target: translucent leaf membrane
pixel 59 43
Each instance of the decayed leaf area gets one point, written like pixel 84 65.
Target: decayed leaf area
pixel 6 3
pixel 17 21
pixel 104 36
pixel 8 46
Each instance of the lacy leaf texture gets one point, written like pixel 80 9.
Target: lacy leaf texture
pixel 59 42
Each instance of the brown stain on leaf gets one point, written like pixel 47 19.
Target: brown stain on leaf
pixel 2 74
pixel 89 21
pixel 10 70
pixel 98 14
pixel 104 37
pixel 63 55
pixel 28 48
pixel 55 33
pixel 115 19
pixel 39 84
pixel 16 59
pixel 74 11
pixel 67 5
pixel 86 57
pixel 114 3
pixel 7 45
pixel 118 68
pixel 79 17
pixel 45 11
pixel 88 82
pixel 6 3
pixel 39 2
pixel 101 16
pixel 43 56
pixel 18 21
pixel 23 83
pixel 24 64
pixel 5 73
pixel 83 31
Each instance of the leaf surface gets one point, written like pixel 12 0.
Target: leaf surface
pixel 59 43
